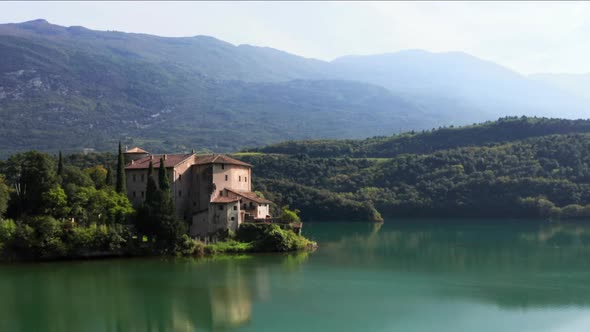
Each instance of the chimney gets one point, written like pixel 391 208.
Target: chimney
pixel 132 161
pixel 151 157
pixel 164 157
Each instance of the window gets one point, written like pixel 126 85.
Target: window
pixel 232 218
pixel 222 166
pixel 245 179
pixel 180 193
pixel 142 194
pixel 235 207
pixel 221 207
pixel 226 177
pixel 179 177
pixel 134 194
pixel 133 177
pixel 221 193
pixel 142 177
pixel 240 178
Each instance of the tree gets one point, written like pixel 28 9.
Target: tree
pixel 157 216
pixel 163 180
pixel 121 186
pixel 98 174
pixel 151 187
pixel 4 194
pixel 55 202
pixel 60 164
pixel 109 177
pixel 289 215
pixel 32 174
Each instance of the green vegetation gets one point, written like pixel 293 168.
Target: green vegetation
pixel 157 217
pixel 261 238
pixel 515 167
pixel 121 186
pixel 79 214
pixel 428 141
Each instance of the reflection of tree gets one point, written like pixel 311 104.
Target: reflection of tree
pixel 527 264
pixel 133 295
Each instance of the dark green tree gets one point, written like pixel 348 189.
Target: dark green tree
pixel 109 178
pixel 151 187
pixel 60 164
pixel 163 180
pixel 121 186
pixel 157 216
pixel 32 174
pixel 4 194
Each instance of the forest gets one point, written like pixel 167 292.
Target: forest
pixel 74 206
pixel 513 167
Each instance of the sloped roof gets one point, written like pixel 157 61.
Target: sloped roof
pixel 250 195
pixel 219 159
pixel 170 161
pixel 136 150
pixel 224 200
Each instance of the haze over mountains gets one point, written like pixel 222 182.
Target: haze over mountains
pixel 70 88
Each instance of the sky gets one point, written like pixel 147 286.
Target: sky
pixel 529 37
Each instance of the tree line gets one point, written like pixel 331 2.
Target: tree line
pixel 546 176
pixel 52 209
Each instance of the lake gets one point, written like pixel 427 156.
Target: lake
pixel 434 275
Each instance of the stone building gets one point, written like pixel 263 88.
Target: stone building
pixel 211 192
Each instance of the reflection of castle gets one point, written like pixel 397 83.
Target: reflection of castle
pixel 211 191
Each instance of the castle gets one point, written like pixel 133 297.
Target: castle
pixel 211 192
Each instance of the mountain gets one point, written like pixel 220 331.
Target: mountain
pixel 477 85
pixel 576 84
pixel 71 88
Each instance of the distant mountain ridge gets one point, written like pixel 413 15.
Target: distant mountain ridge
pixel 72 87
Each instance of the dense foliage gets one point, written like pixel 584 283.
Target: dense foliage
pixel 78 213
pixel 466 174
pixel 428 141
pixel 53 209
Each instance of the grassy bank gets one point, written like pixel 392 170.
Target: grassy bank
pixel 256 238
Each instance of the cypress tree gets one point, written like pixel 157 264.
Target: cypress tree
pixel 109 177
pixel 163 180
pixel 151 187
pixel 60 164
pixel 121 185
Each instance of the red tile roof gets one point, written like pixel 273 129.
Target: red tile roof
pixel 250 195
pixel 224 200
pixel 219 159
pixel 171 160
pixel 136 150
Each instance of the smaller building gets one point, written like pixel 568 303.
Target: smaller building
pixel 211 192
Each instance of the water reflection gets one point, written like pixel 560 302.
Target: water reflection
pixel 137 295
pixel 524 265
pixel 364 277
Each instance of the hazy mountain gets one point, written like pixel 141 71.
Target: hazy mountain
pixel 71 87
pixel 577 84
pixel 68 88
pixel 483 87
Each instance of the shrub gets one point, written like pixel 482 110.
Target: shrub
pixel 186 246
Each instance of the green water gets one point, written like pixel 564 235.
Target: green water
pixel 467 276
